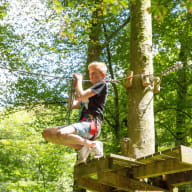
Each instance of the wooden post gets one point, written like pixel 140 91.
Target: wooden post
pixel 156 84
pixel 129 80
pixel 175 189
pixel 125 142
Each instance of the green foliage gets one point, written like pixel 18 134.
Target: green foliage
pixel 56 43
pixel 173 37
pixel 28 163
pixel 161 9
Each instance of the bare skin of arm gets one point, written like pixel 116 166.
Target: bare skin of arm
pixel 79 98
pixel 81 94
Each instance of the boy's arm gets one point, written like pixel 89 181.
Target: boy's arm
pixel 74 105
pixel 82 94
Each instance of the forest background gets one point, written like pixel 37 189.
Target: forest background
pixel 51 38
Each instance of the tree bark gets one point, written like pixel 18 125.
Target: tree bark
pixel 140 98
pixel 94 45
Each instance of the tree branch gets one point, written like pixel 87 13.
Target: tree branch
pixel 114 33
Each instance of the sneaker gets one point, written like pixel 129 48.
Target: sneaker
pixel 83 154
pixel 98 149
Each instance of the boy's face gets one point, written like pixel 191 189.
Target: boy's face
pixel 95 75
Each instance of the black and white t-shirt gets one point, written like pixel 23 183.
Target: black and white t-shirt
pixel 95 104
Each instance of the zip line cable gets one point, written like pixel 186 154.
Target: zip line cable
pixel 33 73
pixel 175 67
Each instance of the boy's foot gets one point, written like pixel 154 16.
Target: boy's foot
pixel 83 154
pixel 98 149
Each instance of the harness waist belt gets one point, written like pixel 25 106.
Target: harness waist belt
pixel 93 126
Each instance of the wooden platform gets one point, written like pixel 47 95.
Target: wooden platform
pixel 127 174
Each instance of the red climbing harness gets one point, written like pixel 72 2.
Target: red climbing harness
pixel 93 129
pixel 93 126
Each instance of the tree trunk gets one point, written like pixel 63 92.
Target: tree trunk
pixel 182 84
pixel 116 115
pixel 140 98
pixel 182 87
pixel 94 44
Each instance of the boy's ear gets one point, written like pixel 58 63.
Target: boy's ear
pixel 103 75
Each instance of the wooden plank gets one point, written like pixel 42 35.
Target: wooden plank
pixel 90 168
pixel 125 183
pixel 183 153
pixel 123 158
pixel 158 168
pixel 108 163
pixel 155 157
pixel 173 153
pixel 93 185
pixel 178 179
pixel 150 158
pixel 186 154
pixel 124 161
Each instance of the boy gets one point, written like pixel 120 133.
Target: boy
pixel 81 135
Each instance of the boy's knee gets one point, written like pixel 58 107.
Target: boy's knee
pixel 49 132
pixel 62 135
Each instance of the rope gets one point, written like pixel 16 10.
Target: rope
pixel 32 73
pixel 175 67
pixel 71 97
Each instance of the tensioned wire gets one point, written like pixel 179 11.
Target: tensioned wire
pixel 175 67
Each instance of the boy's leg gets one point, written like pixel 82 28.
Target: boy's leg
pixel 51 134
pixel 66 136
pixel 98 149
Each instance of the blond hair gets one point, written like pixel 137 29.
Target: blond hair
pixel 100 66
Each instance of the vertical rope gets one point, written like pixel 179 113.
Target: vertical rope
pixel 70 101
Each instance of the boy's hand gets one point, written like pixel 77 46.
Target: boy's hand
pixel 78 76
